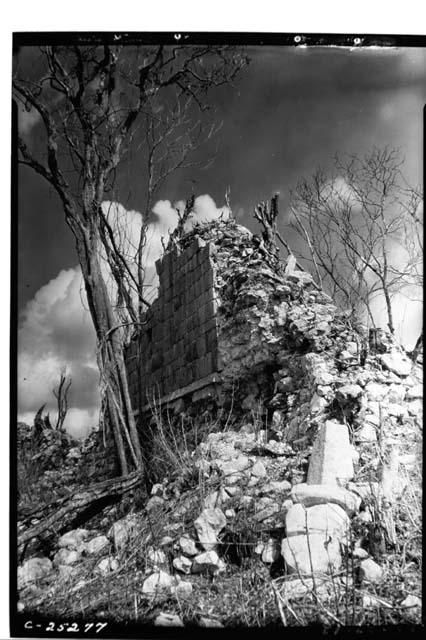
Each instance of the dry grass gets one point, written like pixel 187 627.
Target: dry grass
pixel 249 594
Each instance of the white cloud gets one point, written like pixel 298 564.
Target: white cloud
pixel 56 331
pixel 205 210
pixel 79 422
pixel 27 120
pixel 127 226
pixel 56 328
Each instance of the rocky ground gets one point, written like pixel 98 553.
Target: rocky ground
pixel 211 545
pixel 300 503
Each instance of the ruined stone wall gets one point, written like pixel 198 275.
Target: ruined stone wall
pixel 178 343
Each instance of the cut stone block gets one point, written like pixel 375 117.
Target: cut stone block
pixel 321 518
pixel 331 457
pixel 311 494
pixel 397 363
pixel 315 553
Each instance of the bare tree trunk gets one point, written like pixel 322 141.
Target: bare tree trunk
pixel 111 358
pixel 417 347
pixel 389 309
pixel 72 505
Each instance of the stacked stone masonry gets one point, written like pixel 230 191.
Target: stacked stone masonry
pixel 178 342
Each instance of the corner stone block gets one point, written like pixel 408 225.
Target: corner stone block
pixel 331 457
pixel 208 280
pixel 200 243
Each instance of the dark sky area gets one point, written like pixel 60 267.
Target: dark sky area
pixel 289 112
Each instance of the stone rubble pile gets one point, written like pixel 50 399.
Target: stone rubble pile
pixel 319 401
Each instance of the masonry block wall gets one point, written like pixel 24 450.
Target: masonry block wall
pixel 178 343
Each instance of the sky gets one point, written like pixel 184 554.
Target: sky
pixel 288 113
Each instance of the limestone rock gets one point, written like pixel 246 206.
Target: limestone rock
pixel 298 588
pixel 154 504
pixel 33 569
pixel 157 490
pixel 96 545
pixel 367 433
pixel 397 363
pixel 391 483
pixel 415 408
pixel 270 551
pixel 365 517
pixel 311 494
pixel 184 590
pixel 415 392
pixel 66 556
pixel 188 546
pixel 232 469
pixel 373 419
pixel 120 531
pixel 233 491
pixel 107 566
pixel 278 448
pixel 323 378
pixel 156 558
pixel 328 519
pixel 311 554
pixel 360 553
pixel 370 571
pixel 258 470
pixel 376 391
pixel 317 404
pixel 158 582
pixel 204 466
pixel 265 508
pixel 259 548
pixel 246 502
pixel 369 601
pixel 216 499
pixel 397 410
pixel 208 562
pixel 349 392
pixel 168 620
pixel 331 457
pixel 411 601
pixel 66 571
pixel 396 393
pixel 278 419
pixel 325 391
pixel 73 539
pixel 278 487
pixel 208 525
pixel 210 623
pixel 182 564
pixel 408 460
